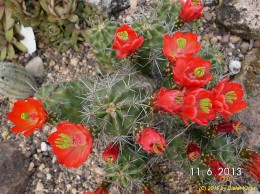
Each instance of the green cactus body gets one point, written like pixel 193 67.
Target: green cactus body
pixel 217 62
pixel 150 59
pixel 16 82
pixel 115 104
pixel 218 147
pixel 169 12
pixel 129 170
pixel 101 38
pixel 64 99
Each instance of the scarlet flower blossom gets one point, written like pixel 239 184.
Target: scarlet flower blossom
pixel 151 141
pixel 193 151
pixel 27 115
pixel 180 45
pixel 71 143
pixel 197 106
pixel 99 190
pixel 228 98
pixel 110 154
pixel 251 163
pixel 192 72
pixel 126 41
pixel 148 190
pixel 216 166
pixel 228 127
pixel 191 10
pixel 168 101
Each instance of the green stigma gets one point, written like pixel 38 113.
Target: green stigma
pixel 205 104
pixel 199 71
pixel 64 141
pixel 123 35
pixel 181 42
pixel 25 116
pixel 231 96
pixel 179 99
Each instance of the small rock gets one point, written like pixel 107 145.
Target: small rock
pixel 234 67
pixel 35 67
pixel 257 44
pixel 31 166
pixel 213 40
pixel 44 147
pixel 234 39
pixel 48 176
pixel 207 16
pixel 244 47
pixel 74 61
pixel 225 39
pixel 39 186
pixel 231 45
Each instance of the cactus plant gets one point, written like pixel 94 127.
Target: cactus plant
pixel 15 82
pixel 113 104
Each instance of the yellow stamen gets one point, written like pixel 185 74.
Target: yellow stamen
pixel 179 99
pixel 199 71
pixel 181 42
pixel 204 105
pixel 196 2
pixel 64 141
pixel 158 147
pixel 231 96
pixel 123 35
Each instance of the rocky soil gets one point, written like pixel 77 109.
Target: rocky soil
pixel 46 175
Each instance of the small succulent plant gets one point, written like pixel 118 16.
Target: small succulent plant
pixel 9 34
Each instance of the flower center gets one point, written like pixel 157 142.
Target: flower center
pixel 237 126
pixel 204 105
pixel 181 42
pixel 231 96
pixel 123 35
pixel 64 141
pixel 179 99
pixel 226 178
pixel 196 2
pixel 199 72
pixel 109 159
pixel 158 147
pixel 26 116
pixel 193 155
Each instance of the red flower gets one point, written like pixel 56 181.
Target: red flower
pixel 228 98
pixel 27 115
pixel 168 101
pixel 110 154
pixel 148 190
pixel 180 45
pixel 126 41
pixel 99 190
pixel 192 73
pixel 71 143
pixel 228 127
pixel 151 141
pixel 216 166
pixel 191 10
pixel 197 106
pixel 193 151
pixel 251 163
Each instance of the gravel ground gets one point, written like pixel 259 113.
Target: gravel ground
pixel 50 177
